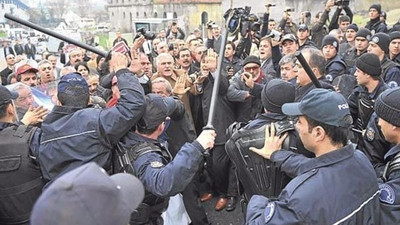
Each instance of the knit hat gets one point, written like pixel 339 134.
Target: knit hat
pixel 387 106
pixel 276 93
pixel 252 59
pixel 353 26
pixel 382 40
pixel 330 40
pixel 369 63
pixel 394 35
pixel 364 32
pixel 377 6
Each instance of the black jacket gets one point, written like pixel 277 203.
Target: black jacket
pixel 224 115
pixel 334 68
pixel 319 29
pixel 376 26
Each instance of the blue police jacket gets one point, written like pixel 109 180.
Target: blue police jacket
pixel 390 192
pixel 336 188
pixel 159 176
pixel 72 137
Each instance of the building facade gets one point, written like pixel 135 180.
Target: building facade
pixel 188 13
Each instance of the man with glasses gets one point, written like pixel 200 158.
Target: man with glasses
pixel 27 75
pixel 10 60
pixel 245 89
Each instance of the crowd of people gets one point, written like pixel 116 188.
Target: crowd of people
pixel 291 152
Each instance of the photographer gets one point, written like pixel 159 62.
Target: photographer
pixel 175 32
pixel 287 26
pixel 214 37
pixel 338 21
pixel 319 29
pixel 266 22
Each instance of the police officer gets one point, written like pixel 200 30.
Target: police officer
pixel 379 45
pixel 251 172
pixel 370 85
pixel 336 187
pixel 74 134
pixel 335 66
pixel 388 110
pixel 20 178
pixel 161 175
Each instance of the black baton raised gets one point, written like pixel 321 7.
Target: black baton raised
pixel 308 69
pixel 57 35
pixel 217 81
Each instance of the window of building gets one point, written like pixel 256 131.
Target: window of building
pixel 124 15
pixel 155 15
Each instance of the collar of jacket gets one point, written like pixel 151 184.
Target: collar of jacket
pixel 65 109
pixel 377 91
pixel 329 158
pixel 270 116
pixel 392 152
pixel 4 125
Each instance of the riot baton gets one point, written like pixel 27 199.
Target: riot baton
pixel 217 81
pixel 308 69
pixel 57 35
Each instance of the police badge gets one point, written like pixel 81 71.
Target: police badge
pixel 370 134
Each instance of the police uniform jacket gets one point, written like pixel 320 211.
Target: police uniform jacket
pixel 390 192
pixel 396 59
pixel 350 57
pixel 376 26
pixel 374 145
pixel 159 176
pixel 336 188
pixel 72 137
pixel 390 72
pixel 353 101
pixel 334 68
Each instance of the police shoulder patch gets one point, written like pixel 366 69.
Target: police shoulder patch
pixel 370 134
pixel 387 194
pixel 392 84
pixel 269 211
pixel 156 164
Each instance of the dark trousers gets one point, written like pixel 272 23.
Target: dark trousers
pixel 218 167
pixel 193 206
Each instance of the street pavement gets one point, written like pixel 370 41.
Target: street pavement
pixel 223 217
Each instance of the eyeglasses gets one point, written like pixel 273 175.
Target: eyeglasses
pixel 45 68
pixel 248 69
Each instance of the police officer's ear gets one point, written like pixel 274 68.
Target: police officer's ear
pixel 319 134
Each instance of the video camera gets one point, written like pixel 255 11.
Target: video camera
pixel 342 2
pixel 146 34
pixel 240 19
pixel 289 10
pixel 270 5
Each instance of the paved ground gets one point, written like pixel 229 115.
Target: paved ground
pixel 223 217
